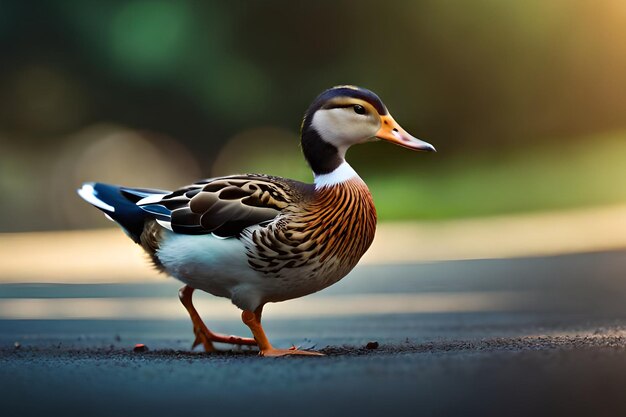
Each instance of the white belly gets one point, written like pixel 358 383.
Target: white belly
pixel 217 266
pixel 220 267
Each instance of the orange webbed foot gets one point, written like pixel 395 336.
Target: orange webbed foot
pixel 204 336
pixel 275 353
pixel 202 339
pixel 253 321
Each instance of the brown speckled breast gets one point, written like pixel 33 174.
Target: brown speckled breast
pixel 321 238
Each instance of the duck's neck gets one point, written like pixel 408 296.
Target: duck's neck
pixel 339 175
pixel 322 157
pixel 325 159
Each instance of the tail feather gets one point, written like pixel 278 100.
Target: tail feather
pixel 136 194
pixel 119 204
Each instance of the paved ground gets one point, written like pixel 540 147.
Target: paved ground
pixel 556 348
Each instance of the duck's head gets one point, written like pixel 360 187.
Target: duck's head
pixel 344 116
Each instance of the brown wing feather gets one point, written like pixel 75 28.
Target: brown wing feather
pixel 227 205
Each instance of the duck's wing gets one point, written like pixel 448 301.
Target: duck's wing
pixel 223 206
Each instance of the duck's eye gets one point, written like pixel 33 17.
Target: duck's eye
pixel 358 109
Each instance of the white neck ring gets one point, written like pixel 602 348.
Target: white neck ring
pixel 342 173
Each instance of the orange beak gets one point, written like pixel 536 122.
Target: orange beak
pixel 391 131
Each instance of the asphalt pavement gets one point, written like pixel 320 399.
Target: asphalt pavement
pixel 535 336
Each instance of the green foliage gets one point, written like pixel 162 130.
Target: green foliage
pixel 147 37
pixel 590 171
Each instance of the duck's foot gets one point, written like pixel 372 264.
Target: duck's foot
pixel 252 319
pixel 274 353
pixel 202 339
pixel 204 336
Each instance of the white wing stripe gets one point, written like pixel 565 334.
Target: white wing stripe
pixel 151 199
pixel 164 224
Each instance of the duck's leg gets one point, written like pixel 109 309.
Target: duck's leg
pixel 252 319
pixel 203 335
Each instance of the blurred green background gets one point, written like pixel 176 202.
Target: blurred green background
pixel 525 101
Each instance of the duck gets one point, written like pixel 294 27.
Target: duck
pixel 257 239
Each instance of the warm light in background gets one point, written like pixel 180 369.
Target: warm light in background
pixel 118 155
